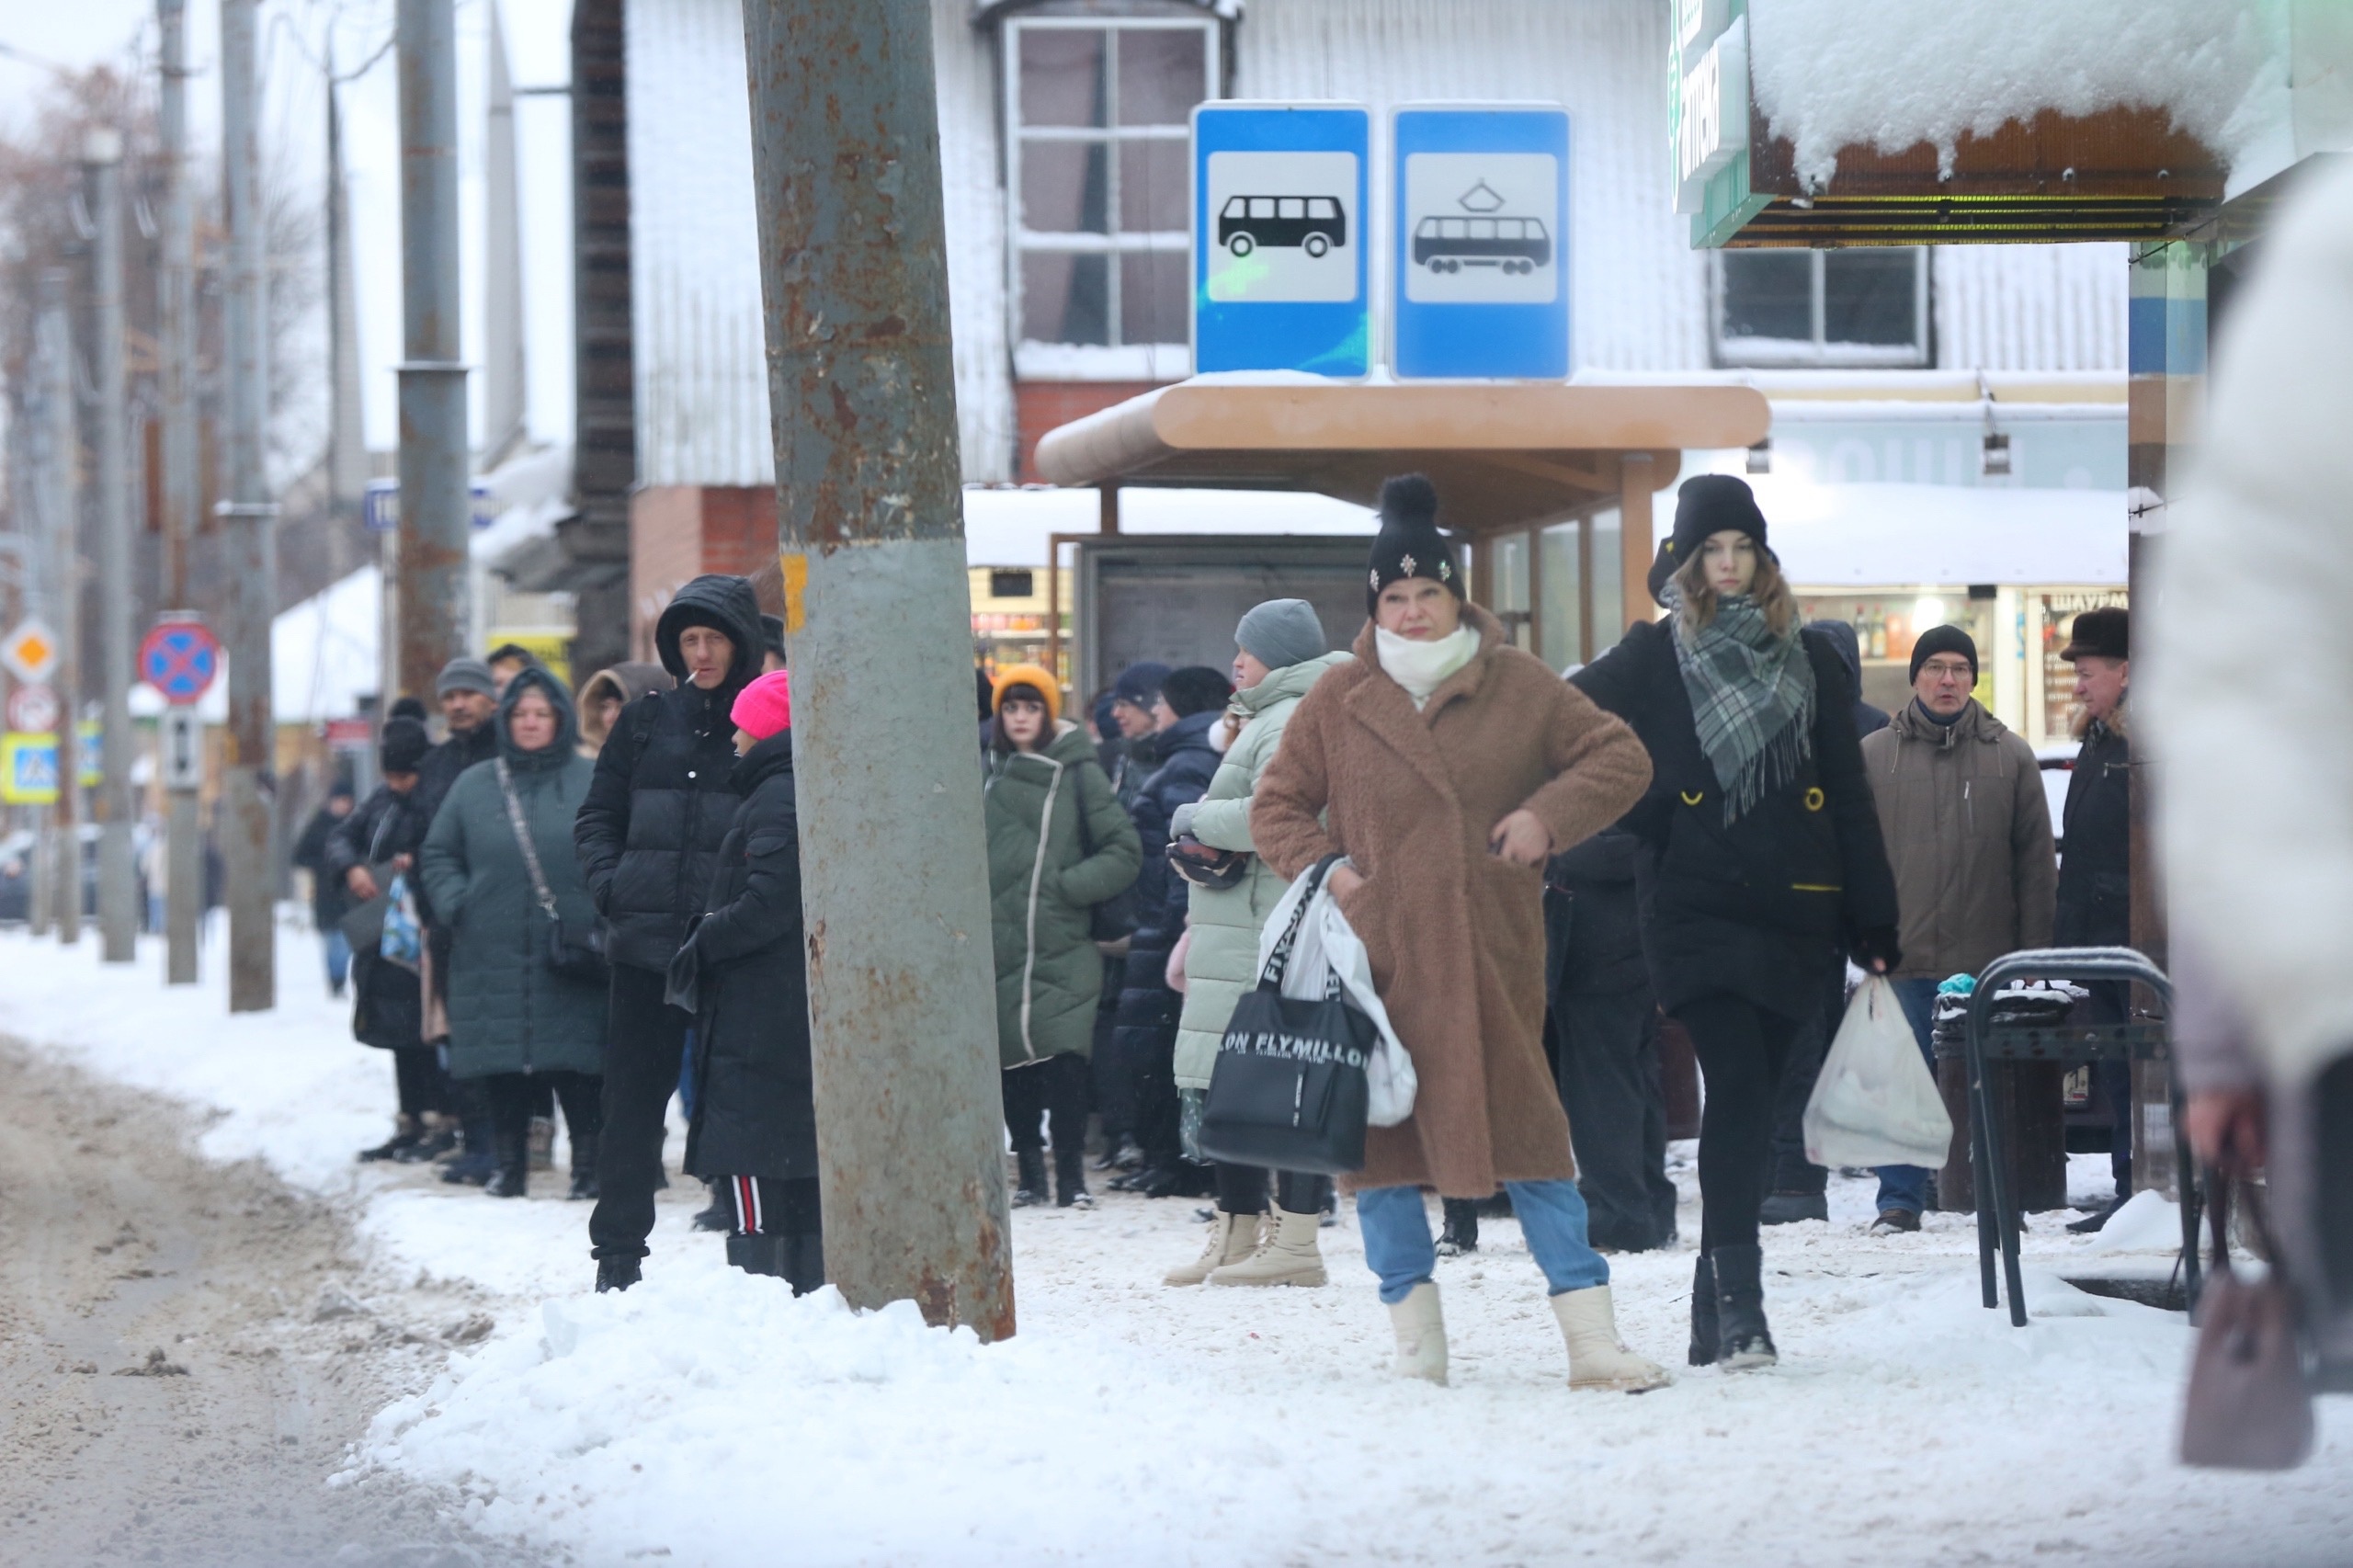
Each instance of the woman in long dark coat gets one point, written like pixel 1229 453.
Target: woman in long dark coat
pixel 754 1136
pixel 1768 857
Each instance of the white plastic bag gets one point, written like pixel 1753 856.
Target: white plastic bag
pixel 1328 944
pixel 1876 1103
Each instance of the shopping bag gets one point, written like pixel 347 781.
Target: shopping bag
pixel 1325 941
pixel 404 935
pixel 2248 1405
pixel 1875 1103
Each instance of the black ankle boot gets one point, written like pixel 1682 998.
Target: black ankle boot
pixel 1070 1180
pixel 1461 1231
pixel 1703 1313
pixel 803 1257
pixel 615 1273
pixel 1742 1337
pixel 1030 1184
pixel 756 1253
pixel 407 1135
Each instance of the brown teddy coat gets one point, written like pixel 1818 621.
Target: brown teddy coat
pixel 1455 934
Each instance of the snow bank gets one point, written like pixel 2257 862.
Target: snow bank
pixel 1890 75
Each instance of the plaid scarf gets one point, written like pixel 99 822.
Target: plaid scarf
pixel 1752 698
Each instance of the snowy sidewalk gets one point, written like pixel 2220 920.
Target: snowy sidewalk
pixel 708 1418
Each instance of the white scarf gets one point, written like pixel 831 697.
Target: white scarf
pixel 1422 668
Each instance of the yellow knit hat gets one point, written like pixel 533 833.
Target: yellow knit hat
pixel 1031 676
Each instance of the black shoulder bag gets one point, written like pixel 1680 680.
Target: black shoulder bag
pixel 572 951
pixel 1288 1090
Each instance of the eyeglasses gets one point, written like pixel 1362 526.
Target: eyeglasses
pixel 1945 669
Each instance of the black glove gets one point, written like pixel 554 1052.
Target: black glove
pixel 1877 942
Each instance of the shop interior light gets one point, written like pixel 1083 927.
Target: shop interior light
pixel 1927 611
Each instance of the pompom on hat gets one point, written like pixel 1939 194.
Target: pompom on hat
pixel 1409 544
pixel 764 709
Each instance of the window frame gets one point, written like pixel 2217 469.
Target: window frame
pixel 1041 359
pixel 1778 353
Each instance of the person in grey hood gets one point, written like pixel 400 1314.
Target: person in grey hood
pixel 649 834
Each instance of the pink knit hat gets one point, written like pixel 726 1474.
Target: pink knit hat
pixel 765 706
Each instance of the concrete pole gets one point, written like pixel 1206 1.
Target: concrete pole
pixel 118 877
pixel 436 507
pixel 845 161
pixel 65 589
pixel 249 778
pixel 176 312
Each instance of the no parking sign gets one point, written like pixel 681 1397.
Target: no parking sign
pixel 180 659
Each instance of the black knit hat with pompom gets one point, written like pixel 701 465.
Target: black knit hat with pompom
pixel 1409 544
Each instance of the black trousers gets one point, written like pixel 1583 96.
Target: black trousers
pixel 1055 1090
pixel 1241 1189
pixel 416 1073
pixel 1792 1172
pixel 515 1099
pixel 1609 1084
pixel 1114 1084
pixel 773 1206
pixel 1743 1052
pixel 644 1036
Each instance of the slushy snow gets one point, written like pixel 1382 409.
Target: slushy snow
pixel 707 1417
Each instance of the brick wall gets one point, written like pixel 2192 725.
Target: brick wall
pixel 665 550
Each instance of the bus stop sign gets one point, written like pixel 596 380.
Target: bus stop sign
pixel 1481 256
pixel 1280 238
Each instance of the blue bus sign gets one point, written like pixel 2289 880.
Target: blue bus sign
pixel 1480 257
pixel 1280 238
pixel 380 508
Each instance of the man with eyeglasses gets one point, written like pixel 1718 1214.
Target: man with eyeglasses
pixel 1968 832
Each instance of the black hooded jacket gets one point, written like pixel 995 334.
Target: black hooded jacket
pixel 754 1115
pixel 660 801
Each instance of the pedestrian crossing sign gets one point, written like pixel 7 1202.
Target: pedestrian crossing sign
pixel 28 768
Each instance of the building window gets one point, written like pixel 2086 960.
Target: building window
pixel 1098 143
pixel 1861 307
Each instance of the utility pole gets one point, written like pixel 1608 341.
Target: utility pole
pixel 846 161
pixel 176 284
pixel 117 878
pixel 435 501
pixel 65 567
pixel 249 780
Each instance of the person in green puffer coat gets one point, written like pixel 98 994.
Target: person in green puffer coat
pixel 1282 652
pixel 515 1023
pixel 1047 871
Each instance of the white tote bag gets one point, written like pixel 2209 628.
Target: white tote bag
pixel 1876 1103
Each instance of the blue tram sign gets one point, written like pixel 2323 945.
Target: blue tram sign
pixel 1481 260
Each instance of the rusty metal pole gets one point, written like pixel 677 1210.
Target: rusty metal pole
pixel 64 520
pixel 118 873
pixel 902 982
pixel 249 779
pixel 435 587
pixel 176 368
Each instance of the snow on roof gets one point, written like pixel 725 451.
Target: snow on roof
pixel 1830 74
pixel 1009 527
pixel 1940 535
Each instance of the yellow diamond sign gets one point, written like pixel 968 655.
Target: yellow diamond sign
pixel 30 650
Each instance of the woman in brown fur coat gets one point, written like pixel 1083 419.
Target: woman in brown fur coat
pixel 1448 765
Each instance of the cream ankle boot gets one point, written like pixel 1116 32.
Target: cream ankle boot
pixel 1286 1255
pixel 1421 1335
pixel 1598 1358
pixel 1232 1238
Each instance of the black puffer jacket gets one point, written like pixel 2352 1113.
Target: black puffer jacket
pixel 1762 907
pixel 660 802
pixel 752 1112
pixel 387 1007
pixel 1188 762
pixel 1592 912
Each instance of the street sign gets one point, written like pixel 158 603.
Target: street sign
pixel 380 506
pixel 350 734
pixel 30 650
pixel 183 738
pixel 1480 257
pixel 180 659
pixel 33 707
pixel 27 770
pixel 1281 237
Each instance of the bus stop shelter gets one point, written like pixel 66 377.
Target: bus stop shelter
pixel 1552 484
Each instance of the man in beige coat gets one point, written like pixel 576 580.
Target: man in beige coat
pixel 1968 832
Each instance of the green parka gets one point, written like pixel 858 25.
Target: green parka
pixel 1042 888
pixel 1223 962
pixel 508 1012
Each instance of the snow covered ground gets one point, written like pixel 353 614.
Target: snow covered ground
pixel 708 1418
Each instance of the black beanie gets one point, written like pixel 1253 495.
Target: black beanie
pixel 1944 639
pixel 1705 506
pixel 403 746
pixel 1409 544
pixel 1196 689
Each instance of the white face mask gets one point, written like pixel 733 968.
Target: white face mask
pixel 1421 667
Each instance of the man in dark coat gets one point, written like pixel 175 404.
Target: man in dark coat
pixel 329 897
pixel 1126 746
pixel 649 834
pixel 468 692
pixel 2095 861
pixel 755 1128
pixel 1192 701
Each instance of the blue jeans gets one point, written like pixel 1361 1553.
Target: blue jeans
pixel 1906 1186
pixel 338 947
pixel 1397 1244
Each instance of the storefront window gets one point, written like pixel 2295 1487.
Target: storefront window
pixel 1560 617
pixel 1887 622
pixel 1611 615
pixel 1508 588
pixel 2054 616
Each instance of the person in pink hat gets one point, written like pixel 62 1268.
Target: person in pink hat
pixel 742 973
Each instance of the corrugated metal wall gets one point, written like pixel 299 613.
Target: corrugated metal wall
pixel 2030 307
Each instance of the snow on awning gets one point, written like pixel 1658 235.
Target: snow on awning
pixel 1940 535
pixel 1010 526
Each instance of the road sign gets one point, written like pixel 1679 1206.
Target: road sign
pixel 33 707
pixel 1480 257
pixel 183 738
pixel 1280 239
pixel 180 659
pixel 27 770
pixel 30 650
pixel 380 506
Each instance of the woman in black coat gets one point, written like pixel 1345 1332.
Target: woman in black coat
pixel 1768 857
pixel 648 835
pixel 755 1130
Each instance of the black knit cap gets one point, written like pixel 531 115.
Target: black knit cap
pixel 1409 544
pixel 2103 633
pixel 1943 640
pixel 1705 506
pixel 1196 689
pixel 403 746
